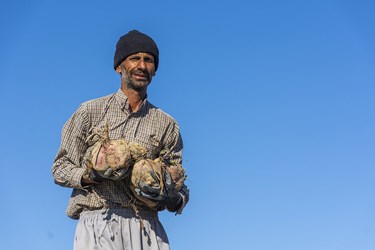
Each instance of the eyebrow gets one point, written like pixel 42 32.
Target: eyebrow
pixel 146 56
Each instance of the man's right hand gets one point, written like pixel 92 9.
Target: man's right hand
pixel 93 178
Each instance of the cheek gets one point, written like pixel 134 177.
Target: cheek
pixel 128 69
pixel 128 66
pixel 125 71
pixel 152 71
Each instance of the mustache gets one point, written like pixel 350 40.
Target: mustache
pixel 140 72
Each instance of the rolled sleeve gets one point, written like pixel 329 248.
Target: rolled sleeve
pixel 77 174
pixel 67 170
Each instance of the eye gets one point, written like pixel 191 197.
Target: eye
pixel 148 59
pixel 134 58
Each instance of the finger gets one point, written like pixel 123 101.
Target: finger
pixel 118 174
pixel 149 190
pixel 93 175
pixel 143 194
pixel 138 191
pixel 123 172
pixel 167 178
pixel 108 172
pixel 158 198
pixel 153 175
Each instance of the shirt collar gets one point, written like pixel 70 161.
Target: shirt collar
pixel 122 100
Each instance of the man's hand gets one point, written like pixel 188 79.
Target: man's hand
pixel 114 175
pixel 95 177
pixel 91 178
pixel 168 197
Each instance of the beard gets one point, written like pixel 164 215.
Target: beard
pixel 133 84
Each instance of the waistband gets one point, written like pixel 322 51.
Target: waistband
pixel 123 212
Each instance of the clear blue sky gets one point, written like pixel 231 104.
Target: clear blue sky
pixel 275 100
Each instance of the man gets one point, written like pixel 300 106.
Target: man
pixel 110 217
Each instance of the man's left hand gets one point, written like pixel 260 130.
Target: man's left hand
pixel 168 197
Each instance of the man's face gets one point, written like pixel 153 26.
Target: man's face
pixel 137 70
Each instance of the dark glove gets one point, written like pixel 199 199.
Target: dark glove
pixel 109 174
pixel 94 176
pixel 115 174
pixel 168 197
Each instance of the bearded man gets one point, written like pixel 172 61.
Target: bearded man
pixel 110 214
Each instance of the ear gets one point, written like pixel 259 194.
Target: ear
pixel 118 69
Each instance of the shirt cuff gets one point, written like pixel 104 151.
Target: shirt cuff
pixel 76 178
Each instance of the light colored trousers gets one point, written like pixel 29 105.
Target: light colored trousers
pixel 119 229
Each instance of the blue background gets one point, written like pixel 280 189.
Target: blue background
pixel 275 100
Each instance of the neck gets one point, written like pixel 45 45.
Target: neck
pixel 135 98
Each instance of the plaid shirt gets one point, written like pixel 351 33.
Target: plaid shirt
pixel 149 126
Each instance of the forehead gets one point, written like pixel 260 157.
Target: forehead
pixel 141 54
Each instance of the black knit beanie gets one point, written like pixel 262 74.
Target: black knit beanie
pixel 135 42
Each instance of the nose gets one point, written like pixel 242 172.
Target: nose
pixel 141 64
